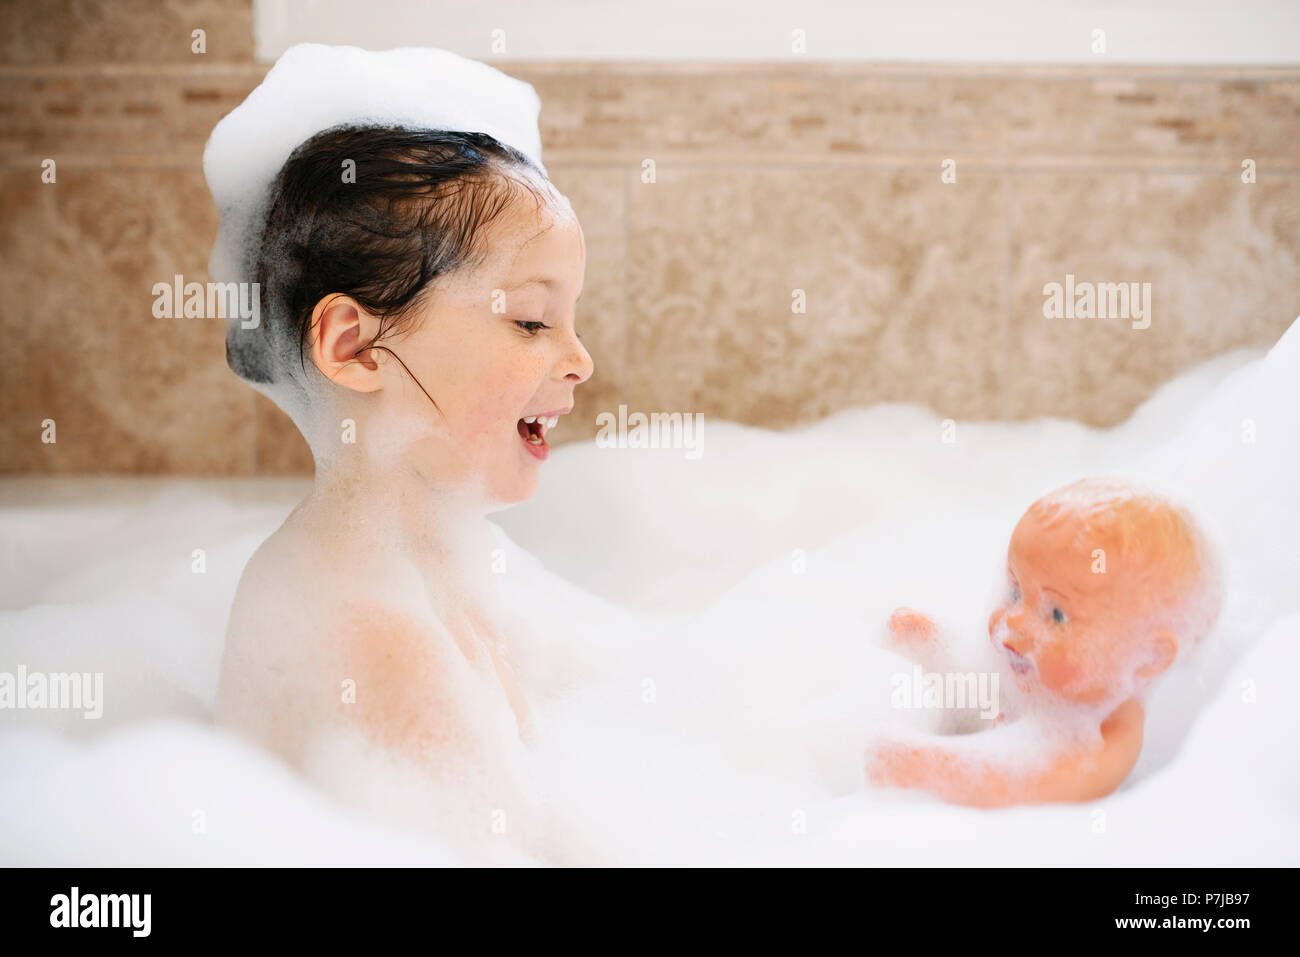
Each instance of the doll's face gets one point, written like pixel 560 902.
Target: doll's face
pixel 492 348
pixel 1067 627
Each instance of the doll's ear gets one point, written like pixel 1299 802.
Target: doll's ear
pixel 1162 649
pixel 339 328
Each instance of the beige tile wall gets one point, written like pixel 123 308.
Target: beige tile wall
pixel 768 178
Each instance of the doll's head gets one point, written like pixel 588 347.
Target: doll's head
pixel 418 290
pixel 1107 587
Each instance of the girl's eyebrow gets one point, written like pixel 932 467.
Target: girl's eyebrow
pixel 538 281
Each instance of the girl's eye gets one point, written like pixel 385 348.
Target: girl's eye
pixel 1058 616
pixel 530 326
pixel 1015 593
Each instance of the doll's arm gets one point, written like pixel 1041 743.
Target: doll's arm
pixel 1078 774
pixel 918 638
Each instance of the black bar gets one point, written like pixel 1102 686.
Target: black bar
pixel 971 905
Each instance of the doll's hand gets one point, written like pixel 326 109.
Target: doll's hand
pixel 909 627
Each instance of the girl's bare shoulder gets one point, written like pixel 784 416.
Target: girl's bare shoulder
pixel 306 598
pixel 305 564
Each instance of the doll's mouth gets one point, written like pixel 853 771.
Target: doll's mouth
pixel 1019 663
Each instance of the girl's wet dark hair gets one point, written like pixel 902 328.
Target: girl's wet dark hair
pixel 409 207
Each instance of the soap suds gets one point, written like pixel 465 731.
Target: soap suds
pixel 706 666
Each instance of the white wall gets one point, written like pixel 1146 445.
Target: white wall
pixel 1000 31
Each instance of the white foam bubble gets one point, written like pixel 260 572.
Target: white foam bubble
pixel 313 87
pixel 699 699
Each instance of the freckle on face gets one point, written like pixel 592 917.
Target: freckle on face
pixel 489 350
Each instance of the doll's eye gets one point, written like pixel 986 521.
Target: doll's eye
pixel 1058 616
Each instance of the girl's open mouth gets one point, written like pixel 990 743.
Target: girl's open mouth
pixel 532 431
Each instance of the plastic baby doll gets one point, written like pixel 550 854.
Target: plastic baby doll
pixel 1106 586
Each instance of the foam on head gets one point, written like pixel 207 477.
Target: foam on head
pixel 313 87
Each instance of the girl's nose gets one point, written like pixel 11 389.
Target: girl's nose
pixel 577 363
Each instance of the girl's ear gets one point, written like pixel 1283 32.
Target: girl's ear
pixel 340 327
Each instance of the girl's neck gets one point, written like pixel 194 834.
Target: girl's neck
pixel 403 505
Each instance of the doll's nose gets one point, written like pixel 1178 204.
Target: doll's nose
pixel 1014 636
pixel 1017 620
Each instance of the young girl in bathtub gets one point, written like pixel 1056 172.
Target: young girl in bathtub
pixel 418 325
pixel 1107 587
